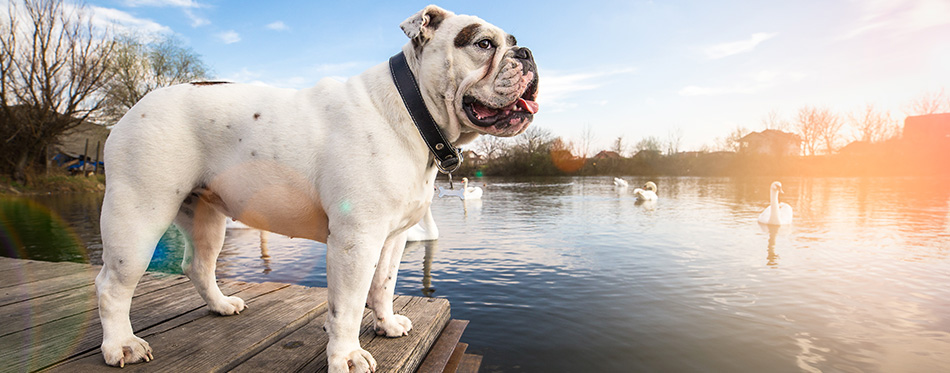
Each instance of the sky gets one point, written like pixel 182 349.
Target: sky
pixel 693 69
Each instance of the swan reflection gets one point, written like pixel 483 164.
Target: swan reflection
pixel 773 232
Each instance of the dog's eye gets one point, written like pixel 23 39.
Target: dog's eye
pixel 485 44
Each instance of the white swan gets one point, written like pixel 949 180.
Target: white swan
pixel 648 193
pixel 777 213
pixel 424 230
pixel 618 182
pixel 471 192
pixel 465 193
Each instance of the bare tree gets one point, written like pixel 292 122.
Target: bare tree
pixel 650 143
pixel 773 121
pixel 929 103
pixel 674 139
pixel 54 65
pixel 140 67
pixel 587 142
pixel 535 140
pixel 732 142
pixel 873 126
pixel 830 129
pixel 619 146
pixel 807 129
pixel 816 127
pixel 491 147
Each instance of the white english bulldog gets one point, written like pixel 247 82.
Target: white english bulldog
pixel 340 163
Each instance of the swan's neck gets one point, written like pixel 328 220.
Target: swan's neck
pixel 773 207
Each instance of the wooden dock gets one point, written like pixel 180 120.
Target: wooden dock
pixel 49 321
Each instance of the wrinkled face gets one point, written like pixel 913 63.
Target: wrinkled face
pixel 488 83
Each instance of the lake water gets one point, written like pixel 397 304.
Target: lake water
pixel 573 275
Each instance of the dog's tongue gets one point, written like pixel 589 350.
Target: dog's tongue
pixel 529 106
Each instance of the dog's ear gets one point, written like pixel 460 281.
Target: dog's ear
pixel 421 26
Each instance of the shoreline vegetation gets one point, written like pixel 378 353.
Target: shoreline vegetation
pixel 52 183
pixel 881 160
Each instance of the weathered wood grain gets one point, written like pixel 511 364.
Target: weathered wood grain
pixel 51 323
pixel 32 270
pixel 453 363
pixel 469 364
pixel 442 350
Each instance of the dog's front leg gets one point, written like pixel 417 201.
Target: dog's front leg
pixel 380 298
pixel 351 256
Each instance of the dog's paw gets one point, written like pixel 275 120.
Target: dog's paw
pixel 358 361
pixel 228 306
pixel 129 351
pixel 395 326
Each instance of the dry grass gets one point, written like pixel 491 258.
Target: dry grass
pixel 53 183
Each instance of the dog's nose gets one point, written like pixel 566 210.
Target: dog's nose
pixel 523 53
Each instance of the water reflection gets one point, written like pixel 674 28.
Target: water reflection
pixel 773 232
pixel 265 254
pixel 430 248
pixel 675 285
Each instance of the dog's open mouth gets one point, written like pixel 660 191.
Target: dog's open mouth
pixel 519 111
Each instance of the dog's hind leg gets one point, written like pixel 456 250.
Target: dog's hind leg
pixel 132 222
pixel 380 298
pixel 204 226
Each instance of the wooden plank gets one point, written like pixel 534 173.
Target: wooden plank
pixel 430 316
pixel 403 354
pixel 456 357
pixel 51 323
pixel 35 289
pixel 292 352
pixel 441 351
pixel 10 263
pixel 470 364
pixel 54 341
pixel 36 311
pixel 305 349
pixel 81 333
pixel 160 313
pixel 32 270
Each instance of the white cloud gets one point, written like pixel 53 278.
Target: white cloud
pixel 714 91
pixel 728 49
pixel 196 21
pixel 229 37
pixel 162 3
pixel 748 84
pixel 124 22
pixel 556 87
pixel 278 26
pixel 899 16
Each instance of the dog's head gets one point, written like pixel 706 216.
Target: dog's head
pixel 474 73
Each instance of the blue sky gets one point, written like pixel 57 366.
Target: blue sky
pixel 622 68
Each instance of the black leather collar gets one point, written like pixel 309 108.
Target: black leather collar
pixel 447 157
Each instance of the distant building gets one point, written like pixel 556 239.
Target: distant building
pixel 82 140
pixel 607 154
pixel 927 129
pixel 770 142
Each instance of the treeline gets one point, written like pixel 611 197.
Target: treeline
pixel 58 70
pixel 538 152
